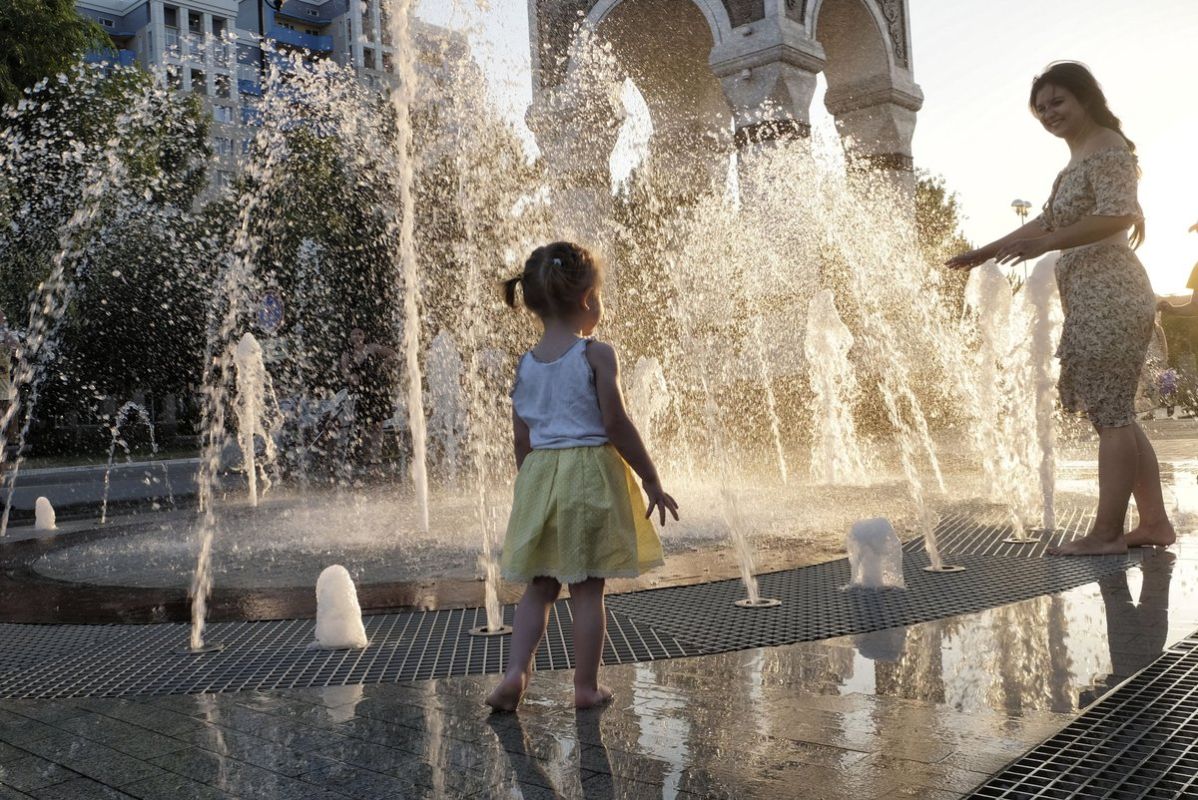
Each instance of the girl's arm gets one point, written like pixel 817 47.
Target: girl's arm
pixel 521 441
pixel 972 258
pixel 621 431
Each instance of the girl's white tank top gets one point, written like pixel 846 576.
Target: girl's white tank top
pixel 558 401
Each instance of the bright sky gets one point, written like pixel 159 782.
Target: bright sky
pixel 975 60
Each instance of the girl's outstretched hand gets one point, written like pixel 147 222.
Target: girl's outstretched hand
pixel 660 500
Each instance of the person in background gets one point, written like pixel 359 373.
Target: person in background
pixel 365 368
pixel 1190 307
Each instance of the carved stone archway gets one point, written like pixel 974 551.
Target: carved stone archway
pixel 718 72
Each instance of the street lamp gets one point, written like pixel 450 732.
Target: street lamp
pixel 1021 208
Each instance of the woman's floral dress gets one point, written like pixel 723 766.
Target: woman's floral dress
pixel 1108 302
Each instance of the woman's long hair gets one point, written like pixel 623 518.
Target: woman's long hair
pixel 1077 79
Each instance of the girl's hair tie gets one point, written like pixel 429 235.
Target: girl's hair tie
pixel 557 262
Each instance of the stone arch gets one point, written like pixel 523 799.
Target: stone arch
pixel 867 65
pixel 713 11
pixel 664 47
pixel 852 35
pixel 887 34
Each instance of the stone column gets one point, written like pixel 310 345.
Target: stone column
pixel 876 117
pixel 769 79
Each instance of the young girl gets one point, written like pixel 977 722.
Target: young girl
pixel 577 516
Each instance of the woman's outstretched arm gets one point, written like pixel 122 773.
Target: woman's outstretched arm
pixel 973 258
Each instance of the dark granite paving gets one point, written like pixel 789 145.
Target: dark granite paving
pixel 926 711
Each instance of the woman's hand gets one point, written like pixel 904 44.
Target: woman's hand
pixel 1194 228
pixel 968 259
pixel 660 500
pixel 1022 250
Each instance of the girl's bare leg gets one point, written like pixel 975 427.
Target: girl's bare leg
pixel 532 617
pixel 1154 528
pixel 590 631
pixel 1118 460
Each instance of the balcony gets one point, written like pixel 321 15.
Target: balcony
pixel 317 44
pixel 123 58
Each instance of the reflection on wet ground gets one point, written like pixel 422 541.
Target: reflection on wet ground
pixel 928 711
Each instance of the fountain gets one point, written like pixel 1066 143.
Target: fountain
pixel 250 407
pixel 771 403
pixel 402 99
pixel 648 399
pixel 719 384
pixel 118 425
pixel 836 456
pixel 45 519
pixel 1043 311
pixel 447 415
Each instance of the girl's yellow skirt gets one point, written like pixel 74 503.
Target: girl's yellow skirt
pixel 578 513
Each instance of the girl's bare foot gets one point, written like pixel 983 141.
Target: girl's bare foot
pixel 1160 534
pixel 1090 545
pixel 589 698
pixel 506 696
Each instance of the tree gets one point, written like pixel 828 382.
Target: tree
pixel 40 39
pixel 100 173
pixel 938 227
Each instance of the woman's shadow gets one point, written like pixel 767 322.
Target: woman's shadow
pixel 594 763
pixel 1136 629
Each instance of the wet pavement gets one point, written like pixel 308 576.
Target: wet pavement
pixel 928 711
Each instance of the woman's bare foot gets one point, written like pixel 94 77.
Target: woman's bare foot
pixel 506 696
pixel 589 698
pixel 1160 534
pixel 1090 545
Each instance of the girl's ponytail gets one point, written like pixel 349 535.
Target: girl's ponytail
pixel 509 290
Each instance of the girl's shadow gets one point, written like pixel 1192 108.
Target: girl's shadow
pixel 594 764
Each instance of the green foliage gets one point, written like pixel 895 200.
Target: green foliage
pixel 938 228
pixel 40 39
pixel 101 169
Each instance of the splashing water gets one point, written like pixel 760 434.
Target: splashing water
pixel 118 426
pixel 771 404
pixel 447 418
pixel 836 456
pixel 250 408
pixel 1043 310
pixel 402 99
pixel 648 399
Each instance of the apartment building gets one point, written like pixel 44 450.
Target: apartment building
pixel 211 48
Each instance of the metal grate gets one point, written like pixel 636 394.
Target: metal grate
pixel 114 660
pixel 816 606
pixel 983 534
pixel 1141 741
pixel 145 659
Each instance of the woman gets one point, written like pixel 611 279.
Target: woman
pixel 1108 302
